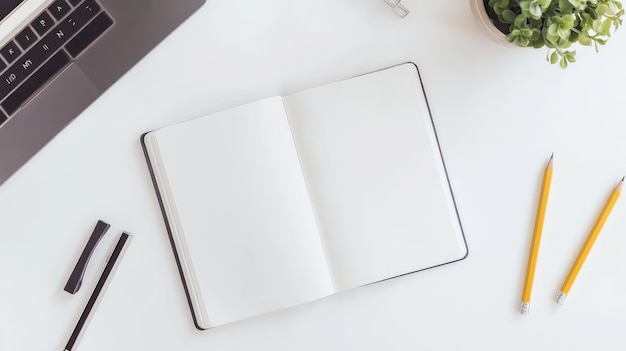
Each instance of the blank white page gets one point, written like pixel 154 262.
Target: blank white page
pixel 245 214
pixel 375 176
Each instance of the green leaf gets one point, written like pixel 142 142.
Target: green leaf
pixel 578 4
pixel 552 38
pixel 535 10
pixel 538 43
pixel 523 41
pixel 508 16
pixel 534 23
pixel 552 30
pixel 525 7
pixel 545 3
pixel 510 38
pixel 570 56
pixel 583 39
pixel 563 63
pixel 554 58
pixel 565 6
pixel 606 26
pixel 564 43
pixel 597 26
pixel 573 37
pixel 536 34
pixel 520 21
pixel 568 21
pixel 563 33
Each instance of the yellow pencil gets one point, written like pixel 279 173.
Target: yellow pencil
pixel 593 235
pixel 534 247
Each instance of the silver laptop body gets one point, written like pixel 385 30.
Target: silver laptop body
pixel 63 55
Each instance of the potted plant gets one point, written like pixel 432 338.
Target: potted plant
pixel 555 24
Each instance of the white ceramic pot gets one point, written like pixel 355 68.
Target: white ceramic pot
pixel 478 8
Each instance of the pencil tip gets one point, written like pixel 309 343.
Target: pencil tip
pixel 622 178
pixel 560 298
pixel 524 308
pixel 552 156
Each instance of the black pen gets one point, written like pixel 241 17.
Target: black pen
pixel 98 291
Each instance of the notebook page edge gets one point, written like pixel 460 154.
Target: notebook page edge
pixel 176 235
pixel 462 240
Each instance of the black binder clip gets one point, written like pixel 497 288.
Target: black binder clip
pixel 397 7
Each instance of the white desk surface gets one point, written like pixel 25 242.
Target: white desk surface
pixel 499 113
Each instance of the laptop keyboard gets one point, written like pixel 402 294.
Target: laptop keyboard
pixel 46 46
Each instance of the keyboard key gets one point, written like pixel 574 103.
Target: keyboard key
pixel 56 63
pixel 88 35
pixel 51 42
pixel 16 74
pixel 21 69
pixel 10 52
pixel 79 17
pixel 64 30
pixel 43 23
pixel 89 8
pixel 59 9
pixel 3 118
pixel 2 65
pixel 75 2
pixel 26 38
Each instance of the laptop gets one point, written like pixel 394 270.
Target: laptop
pixel 58 56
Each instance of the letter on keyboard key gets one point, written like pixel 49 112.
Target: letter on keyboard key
pixel 13 102
pixel 79 17
pixel 58 9
pixel 26 38
pixel 89 34
pixel 43 23
pixel 90 6
pixel 10 52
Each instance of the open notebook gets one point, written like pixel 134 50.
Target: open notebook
pixel 290 199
